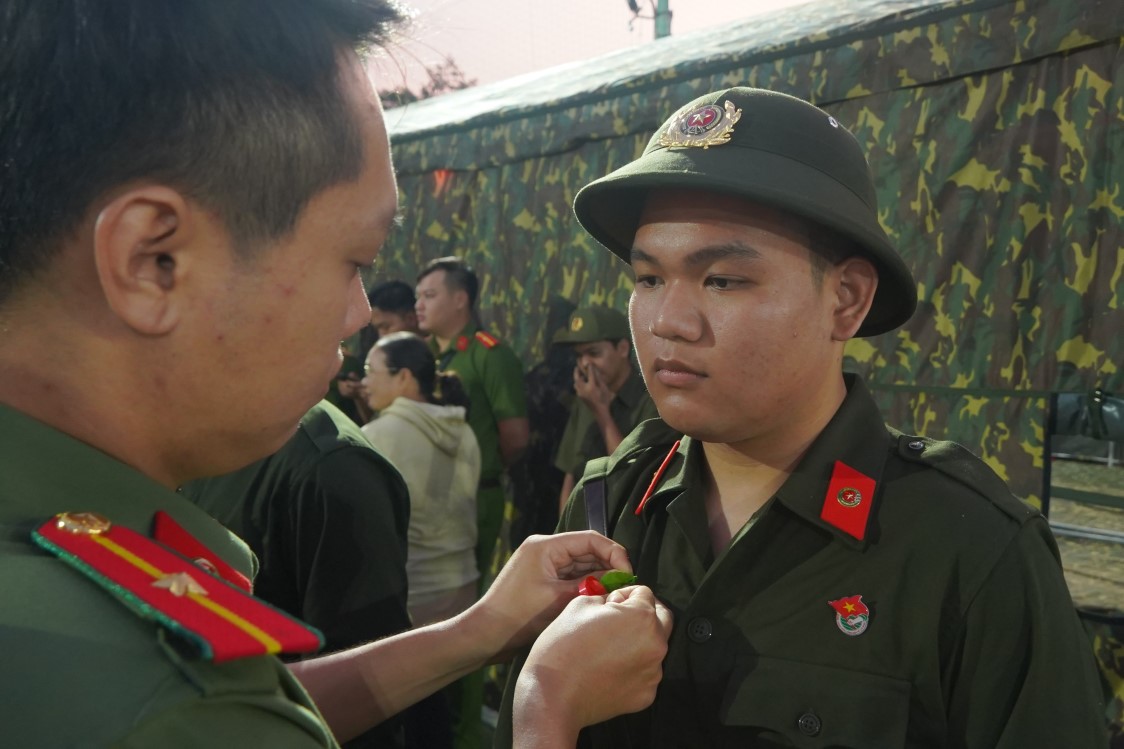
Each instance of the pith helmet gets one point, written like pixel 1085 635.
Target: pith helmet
pixel 767 147
pixel 589 324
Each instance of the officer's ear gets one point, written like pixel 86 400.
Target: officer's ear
pixel 139 240
pixel 854 282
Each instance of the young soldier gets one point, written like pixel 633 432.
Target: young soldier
pixel 185 184
pixel 835 583
pixel 611 398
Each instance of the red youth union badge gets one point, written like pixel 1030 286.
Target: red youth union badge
pixel 851 615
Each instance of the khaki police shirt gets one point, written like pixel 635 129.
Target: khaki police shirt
pixel 78 668
pixel 971 641
pixel 493 379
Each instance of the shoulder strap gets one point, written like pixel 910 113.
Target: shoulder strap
pixel 223 621
pixel 596 514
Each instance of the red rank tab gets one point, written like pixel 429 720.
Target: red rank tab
pixel 173 535
pixel 224 622
pixel 850 495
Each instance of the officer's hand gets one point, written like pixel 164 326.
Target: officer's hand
pixel 600 658
pixel 539 580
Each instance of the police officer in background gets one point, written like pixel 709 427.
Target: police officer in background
pixel 189 192
pixel 835 582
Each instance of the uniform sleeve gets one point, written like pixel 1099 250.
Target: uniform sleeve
pixel 503 383
pixel 1024 674
pixel 503 737
pixel 349 517
pixel 567 458
pixel 228 721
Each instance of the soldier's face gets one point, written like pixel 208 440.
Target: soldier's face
pixel 608 358
pixel 438 306
pixel 733 335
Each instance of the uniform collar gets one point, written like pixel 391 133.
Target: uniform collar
pixel 44 471
pixel 856 436
pixel 467 333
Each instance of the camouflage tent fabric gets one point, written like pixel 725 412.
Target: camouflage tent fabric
pixel 996 134
pixel 995 130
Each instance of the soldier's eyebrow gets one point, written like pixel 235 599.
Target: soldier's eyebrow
pixel 705 255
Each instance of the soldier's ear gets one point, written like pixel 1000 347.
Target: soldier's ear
pixel 853 282
pixel 138 240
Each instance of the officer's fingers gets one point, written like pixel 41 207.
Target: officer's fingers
pixel 633 595
pixel 666 619
pixel 580 552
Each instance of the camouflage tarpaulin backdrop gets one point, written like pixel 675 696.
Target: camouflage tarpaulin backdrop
pixel 996 134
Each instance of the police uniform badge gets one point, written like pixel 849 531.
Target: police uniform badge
pixel 702 127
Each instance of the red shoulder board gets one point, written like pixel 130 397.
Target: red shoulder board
pixel 849 498
pixel 487 339
pixel 222 621
pixel 173 535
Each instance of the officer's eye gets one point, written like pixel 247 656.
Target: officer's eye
pixel 722 283
pixel 647 282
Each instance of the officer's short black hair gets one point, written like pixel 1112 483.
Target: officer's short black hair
pixel 237 104
pixel 458 276
pixel 396 297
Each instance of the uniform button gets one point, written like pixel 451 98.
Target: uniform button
pixel 699 629
pixel 809 724
pixel 916 445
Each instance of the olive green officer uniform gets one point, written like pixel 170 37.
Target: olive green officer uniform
pixel 492 376
pixel 583 440
pixel 326 516
pixel 968 639
pixel 80 668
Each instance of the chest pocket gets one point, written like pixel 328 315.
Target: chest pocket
pixel 814 707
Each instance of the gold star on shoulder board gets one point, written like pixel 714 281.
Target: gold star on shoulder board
pixel 180 583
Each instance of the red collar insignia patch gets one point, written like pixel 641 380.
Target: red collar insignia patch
pixel 462 343
pixel 851 615
pixel 848 500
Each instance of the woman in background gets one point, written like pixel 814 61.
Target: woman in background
pixel 421 429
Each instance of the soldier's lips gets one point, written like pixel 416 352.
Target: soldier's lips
pixel 674 373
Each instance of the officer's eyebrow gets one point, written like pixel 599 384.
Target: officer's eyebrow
pixel 705 255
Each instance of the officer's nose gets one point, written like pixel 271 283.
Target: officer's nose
pixel 358 308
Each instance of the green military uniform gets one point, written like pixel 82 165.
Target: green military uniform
pixel 583 441
pixel 326 516
pixel 492 376
pixel 80 668
pixel 967 635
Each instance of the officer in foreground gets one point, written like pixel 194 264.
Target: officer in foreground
pixel 189 192
pixel 834 582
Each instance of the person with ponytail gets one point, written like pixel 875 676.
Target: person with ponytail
pixel 421 429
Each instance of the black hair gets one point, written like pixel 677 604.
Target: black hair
pixel 236 104
pixel 458 276
pixel 396 297
pixel 405 350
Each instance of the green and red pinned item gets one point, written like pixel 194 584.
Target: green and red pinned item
pixel 607 583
